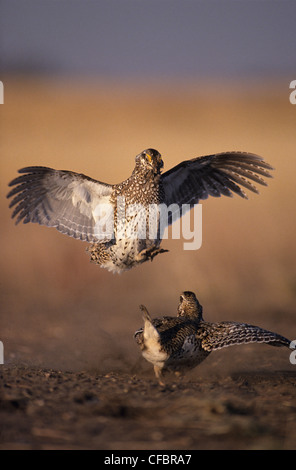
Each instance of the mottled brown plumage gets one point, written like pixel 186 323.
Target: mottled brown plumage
pixel 181 343
pixel 90 210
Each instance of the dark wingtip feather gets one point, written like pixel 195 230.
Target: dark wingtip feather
pixel 33 169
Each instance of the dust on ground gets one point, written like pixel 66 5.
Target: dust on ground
pixel 52 409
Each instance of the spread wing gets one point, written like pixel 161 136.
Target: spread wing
pixel 73 203
pixel 214 175
pixel 221 335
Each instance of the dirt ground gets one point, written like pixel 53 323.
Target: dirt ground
pixel 52 409
pixel 73 376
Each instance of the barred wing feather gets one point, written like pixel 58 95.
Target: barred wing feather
pixel 65 200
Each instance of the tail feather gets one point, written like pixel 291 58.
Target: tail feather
pixel 149 332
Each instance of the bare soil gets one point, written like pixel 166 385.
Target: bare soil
pixel 53 409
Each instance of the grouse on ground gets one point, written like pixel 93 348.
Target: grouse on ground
pixel 178 344
pixel 115 218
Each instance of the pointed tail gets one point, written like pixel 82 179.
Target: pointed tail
pixel 150 332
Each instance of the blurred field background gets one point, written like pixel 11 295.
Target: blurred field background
pixel 89 85
pixel 60 310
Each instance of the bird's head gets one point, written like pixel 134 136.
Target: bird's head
pixel 150 159
pixel 189 306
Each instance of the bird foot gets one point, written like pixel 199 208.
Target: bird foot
pixel 150 253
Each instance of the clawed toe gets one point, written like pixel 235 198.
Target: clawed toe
pixel 151 253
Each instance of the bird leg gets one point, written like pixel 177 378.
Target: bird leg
pixel 157 252
pixel 150 253
pixel 159 376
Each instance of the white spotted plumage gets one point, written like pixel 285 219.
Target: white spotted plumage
pixel 181 343
pixel 71 202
